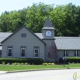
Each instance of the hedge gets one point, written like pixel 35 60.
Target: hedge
pixel 73 59
pixel 22 60
pixel 70 59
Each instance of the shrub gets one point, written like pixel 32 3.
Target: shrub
pixel 73 59
pixel 21 64
pixel 70 60
pixel 60 60
pixel 3 63
pixel 35 61
pixel 14 63
pixel 50 63
pixel 25 63
pixel 45 64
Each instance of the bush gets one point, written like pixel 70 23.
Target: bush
pixel 3 63
pixel 50 63
pixel 35 61
pixel 14 63
pixel 25 63
pixel 45 64
pixel 61 60
pixel 73 59
pixel 70 60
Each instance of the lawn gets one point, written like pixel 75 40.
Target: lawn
pixel 32 67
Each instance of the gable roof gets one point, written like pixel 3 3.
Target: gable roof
pixel 20 29
pixel 48 24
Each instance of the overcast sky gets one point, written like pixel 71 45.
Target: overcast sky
pixel 10 5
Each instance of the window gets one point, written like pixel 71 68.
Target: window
pixel 36 51
pixel 67 54
pixel 78 53
pixel 9 51
pixel 0 53
pixel 23 51
pixel 64 53
pixel 75 54
pixel 23 35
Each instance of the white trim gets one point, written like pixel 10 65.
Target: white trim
pixel 22 47
pixel 36 48
pixel 9 48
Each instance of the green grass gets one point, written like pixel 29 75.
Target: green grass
pixel 26 67
pixel 32 67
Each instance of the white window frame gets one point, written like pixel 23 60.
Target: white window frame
pixel 36 48
pixel 10 52
pixel 23 54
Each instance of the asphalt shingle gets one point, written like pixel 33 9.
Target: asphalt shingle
pixel 4 35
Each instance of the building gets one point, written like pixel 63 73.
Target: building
pixel 23 43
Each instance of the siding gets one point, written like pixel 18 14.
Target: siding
pixel 17 41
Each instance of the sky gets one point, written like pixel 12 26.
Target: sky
pixel 11 5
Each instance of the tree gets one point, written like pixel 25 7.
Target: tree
pixel 4 22
pixel 36 16
pixel 65 19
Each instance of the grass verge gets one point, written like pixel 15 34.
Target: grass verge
pixel 32 67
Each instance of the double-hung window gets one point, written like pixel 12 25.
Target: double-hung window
pixel 10 50
pixel 36 51
pixel 23 51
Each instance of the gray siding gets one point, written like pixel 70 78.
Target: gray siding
pixel 60 53
pixel 17 41
pixel 48 45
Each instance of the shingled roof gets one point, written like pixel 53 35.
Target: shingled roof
pixel 4 35
pixel 65 43
pixel 48 24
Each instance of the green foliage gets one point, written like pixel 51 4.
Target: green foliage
pixel 25 63
pixel 14 63
pixel 45 64
pixel 73 59
pixel 22 60
pixel 51 63
pixel 21 64
pixel 70 60
pixel 48 64
pixel 65 19
pixel 3 63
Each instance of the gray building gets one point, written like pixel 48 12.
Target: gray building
pixel 23 43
